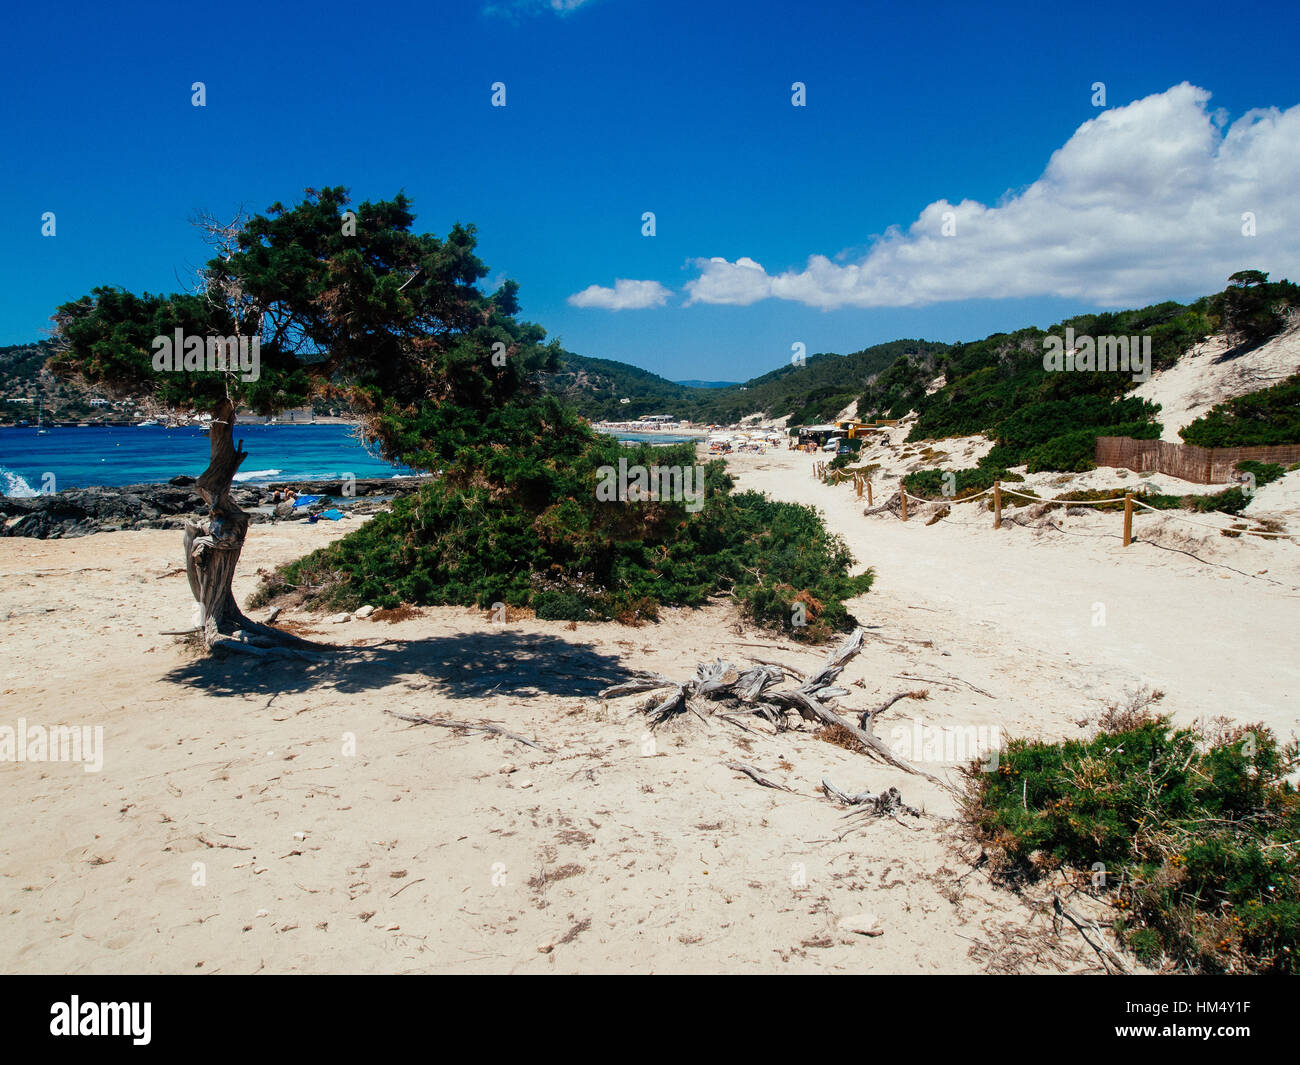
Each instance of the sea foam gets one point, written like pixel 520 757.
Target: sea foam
pixel 15 486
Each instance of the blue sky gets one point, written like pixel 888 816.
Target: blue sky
pixel 775 224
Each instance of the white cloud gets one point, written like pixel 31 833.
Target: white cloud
pixel 515 9
pixel 624 296
pixel 1141 201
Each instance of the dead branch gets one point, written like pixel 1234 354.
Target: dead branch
pixel 780 665
pixel 868 715
pixel 1084 926
pixel 720 688
pixel 887 802
pixel 468 726
pixel 948 682
pixel 756 776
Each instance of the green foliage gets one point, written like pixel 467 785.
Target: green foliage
pixel 1234 500
pixel 1270 416
pixel 1252 309
pixel 552 605
pixel 384 319
pixel 521 523
pixel 1263 472
pixel 929 484
pixel 1196 830
pixel 1048 421
pixel 1042 419
pixel 812 393
pixel 901 386
pixel 1075 451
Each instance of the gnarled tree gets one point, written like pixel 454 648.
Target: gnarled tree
pixel 352 305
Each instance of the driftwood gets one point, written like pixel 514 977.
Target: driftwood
pixel 888 802
pixel 727 690
pixel 469 726
pixel 1085 926
pixel 780 665
pixel 756 776
pixel 870 715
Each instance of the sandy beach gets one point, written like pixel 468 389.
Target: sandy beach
pixel 274 818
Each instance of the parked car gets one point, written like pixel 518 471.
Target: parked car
pixel 832 444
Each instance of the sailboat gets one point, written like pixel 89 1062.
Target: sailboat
pixel 40 429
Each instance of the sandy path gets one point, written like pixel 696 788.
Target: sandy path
pixel 1016 607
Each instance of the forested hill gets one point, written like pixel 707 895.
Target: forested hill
pixel 815 391
pixel 1051 420
pixel 996 386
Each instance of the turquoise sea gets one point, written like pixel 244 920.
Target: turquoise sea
pixel 151 454
pixel 143 454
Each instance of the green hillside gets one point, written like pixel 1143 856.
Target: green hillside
pixel 1051 420
pixel 25 389
pixel 996 386
pixel 813 392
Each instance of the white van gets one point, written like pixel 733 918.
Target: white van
pixel 833 444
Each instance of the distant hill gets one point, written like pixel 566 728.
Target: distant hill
pixel 26 389
pixel 819 389
pixel 995 386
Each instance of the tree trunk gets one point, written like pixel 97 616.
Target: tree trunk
pixel 212 554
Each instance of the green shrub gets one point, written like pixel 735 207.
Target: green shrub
pixel 1270 416
pixel 561 606
pixel 522 525
pixel 1195 828
pixel 929 484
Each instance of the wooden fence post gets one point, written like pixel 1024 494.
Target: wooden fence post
pixel 997 504
pixel 857 484
pixel 868 492
pixel 902 495
pixel 1128 518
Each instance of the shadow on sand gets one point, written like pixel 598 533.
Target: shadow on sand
pixel 464 666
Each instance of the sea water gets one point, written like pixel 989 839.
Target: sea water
pixel 82 457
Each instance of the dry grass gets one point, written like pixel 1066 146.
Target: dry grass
pixel 549 876
pixel 838 735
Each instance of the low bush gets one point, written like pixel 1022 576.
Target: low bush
pixel 525 527
pixel 1195 829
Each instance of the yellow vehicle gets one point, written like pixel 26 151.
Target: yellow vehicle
pixel 856 429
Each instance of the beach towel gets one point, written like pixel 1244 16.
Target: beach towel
pixel 332 514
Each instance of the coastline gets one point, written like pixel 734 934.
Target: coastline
pixel 80 512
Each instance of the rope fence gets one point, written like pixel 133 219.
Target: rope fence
pixel 862 482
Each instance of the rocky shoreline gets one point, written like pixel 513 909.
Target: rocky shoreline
pixel 83 511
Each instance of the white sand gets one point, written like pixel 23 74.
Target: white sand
pixel 1015 607
pixel 1206 376
pixel 422 852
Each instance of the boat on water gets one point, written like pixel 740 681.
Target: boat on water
pixel 40 427
pixel 147 422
